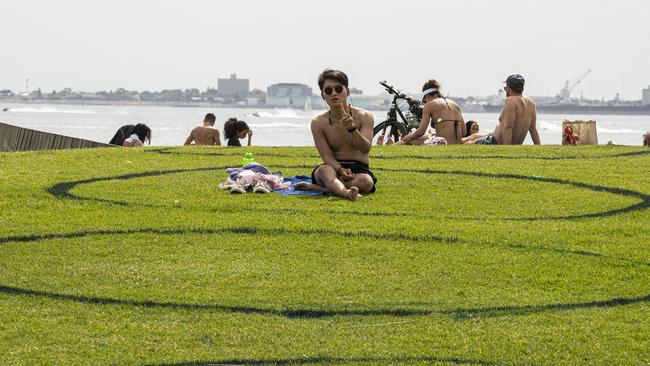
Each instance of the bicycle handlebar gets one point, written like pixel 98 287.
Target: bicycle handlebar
pixel 401 95
pixel 390 89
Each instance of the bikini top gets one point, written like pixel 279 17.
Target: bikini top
pixel 440 120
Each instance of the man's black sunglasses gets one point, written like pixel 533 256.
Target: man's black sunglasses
pixel 338 89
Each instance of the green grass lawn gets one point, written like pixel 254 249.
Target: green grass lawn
pixel 474 255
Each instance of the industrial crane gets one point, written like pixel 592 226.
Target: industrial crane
pixel 565 94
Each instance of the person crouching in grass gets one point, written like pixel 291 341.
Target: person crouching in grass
pixel 234 129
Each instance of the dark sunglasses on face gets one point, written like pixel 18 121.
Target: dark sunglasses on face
pixel 338 89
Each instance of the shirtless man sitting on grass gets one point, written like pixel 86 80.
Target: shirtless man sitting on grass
pixel 206 134
pixel 343 138
pixel 519 116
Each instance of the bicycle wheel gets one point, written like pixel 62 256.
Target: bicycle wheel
pixel 392 130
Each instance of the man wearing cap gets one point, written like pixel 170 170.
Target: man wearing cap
pixel 519 116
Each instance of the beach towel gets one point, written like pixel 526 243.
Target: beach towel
pixel 292 189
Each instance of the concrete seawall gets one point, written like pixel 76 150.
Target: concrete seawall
pixel 14 138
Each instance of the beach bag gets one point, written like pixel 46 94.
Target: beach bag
pixel 579 133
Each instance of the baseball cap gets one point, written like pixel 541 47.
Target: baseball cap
pixel 515 79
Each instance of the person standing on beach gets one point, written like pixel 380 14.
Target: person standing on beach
pixel 343 138
pixel 206 134
pixel 519 116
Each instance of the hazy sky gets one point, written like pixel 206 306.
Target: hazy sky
pixel 469 45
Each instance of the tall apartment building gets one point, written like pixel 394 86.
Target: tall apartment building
pixel 233 87
pixel 646 96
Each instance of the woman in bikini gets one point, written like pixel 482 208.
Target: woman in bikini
pixel 443 114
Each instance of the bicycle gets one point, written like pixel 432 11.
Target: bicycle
pixel 394 128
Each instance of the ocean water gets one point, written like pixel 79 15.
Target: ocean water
pixel 271 127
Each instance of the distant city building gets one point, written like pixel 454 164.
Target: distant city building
pixel 289 95
pixel 289 90
pixel 372 102
pixel 354 90
pixel 5 93
pixel 233 87
pixel 646 96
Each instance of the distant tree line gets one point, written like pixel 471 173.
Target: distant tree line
pixel 123 95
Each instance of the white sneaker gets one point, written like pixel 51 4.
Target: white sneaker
pixel 260 188
pixel 228 184
pixel 237 189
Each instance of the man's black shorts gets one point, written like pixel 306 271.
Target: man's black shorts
pixel 356 167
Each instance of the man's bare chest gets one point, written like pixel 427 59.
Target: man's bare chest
pixel 338 138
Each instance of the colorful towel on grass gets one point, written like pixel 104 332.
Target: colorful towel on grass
pixel 292 190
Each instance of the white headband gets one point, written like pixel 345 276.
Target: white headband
pixel 428 91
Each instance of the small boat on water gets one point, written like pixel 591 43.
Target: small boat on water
pixel 6 109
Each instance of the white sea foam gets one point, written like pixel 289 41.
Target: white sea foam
pixel 276 125
pixel 50 110
pixel 280 113
pixel 549 126
pixel 618 130
pixel 600 127
pixel 273 127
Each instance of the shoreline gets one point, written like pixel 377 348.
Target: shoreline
pixel 541 109
pixel 138 103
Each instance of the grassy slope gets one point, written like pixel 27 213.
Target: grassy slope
pixel 438 266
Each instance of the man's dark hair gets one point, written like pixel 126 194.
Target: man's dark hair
pixel 209 118
pixel 517 88
pixel 335 75
pixel 432 84
pixel 233 126
pixel 143 132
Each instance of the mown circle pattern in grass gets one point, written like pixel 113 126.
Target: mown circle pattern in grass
pixel 63 190
pixel 174 151
pixel 596 260
pixel 339 361
pixel 644 202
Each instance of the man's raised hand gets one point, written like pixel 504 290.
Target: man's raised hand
pixel 346 117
